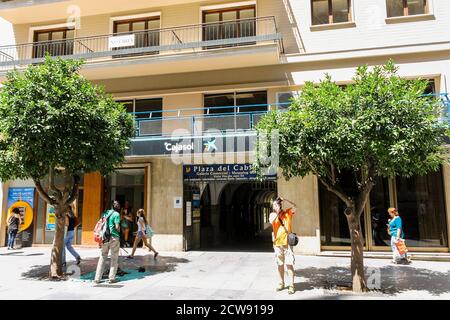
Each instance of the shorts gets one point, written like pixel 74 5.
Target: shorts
pixel 140 234
pixel 284 255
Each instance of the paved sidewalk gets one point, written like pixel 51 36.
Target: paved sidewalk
pixel 215 275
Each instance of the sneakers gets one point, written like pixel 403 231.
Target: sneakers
pixel 110 281
pixel 281 286
pixel 78 261
pixel 130 257
pixel 291 290
pixel 156 254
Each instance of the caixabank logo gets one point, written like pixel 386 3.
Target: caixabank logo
pixel 209 145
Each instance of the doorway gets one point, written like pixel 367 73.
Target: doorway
pixel 228 215
pixel 128 187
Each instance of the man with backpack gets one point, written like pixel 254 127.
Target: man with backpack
pixel 110 239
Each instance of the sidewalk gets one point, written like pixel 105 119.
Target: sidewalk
pixel 215 275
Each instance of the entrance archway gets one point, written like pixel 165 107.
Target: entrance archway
pixel 233 215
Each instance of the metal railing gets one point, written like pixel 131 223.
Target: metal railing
pixel 174 40
pixel 198 121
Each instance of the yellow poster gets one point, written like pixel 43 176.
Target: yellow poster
pixel 50 224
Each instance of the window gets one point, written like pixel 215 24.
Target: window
pixel 252 102
pixel 56 42
pixel 249 106
pixel 421 203
pixel 145 30
pixel 148 113
pixel 144 108
pixel 229 23
pixel 284 99
pixel 330 11
pixel 419 199
pixel 398 8
pixel 333 223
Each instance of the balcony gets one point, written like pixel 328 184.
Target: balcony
pixel 205 46
pixel 156 135
pixel 228 128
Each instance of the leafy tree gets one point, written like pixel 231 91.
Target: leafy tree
pixel 55 123
pixel 380 125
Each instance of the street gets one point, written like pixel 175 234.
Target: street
pixel 215 275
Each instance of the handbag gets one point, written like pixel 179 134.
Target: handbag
pixel 149 231
pixel 401 246
pixel 292 237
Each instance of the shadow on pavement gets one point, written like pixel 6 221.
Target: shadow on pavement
pixel 394 279
pixel 128 268
pixel 19 254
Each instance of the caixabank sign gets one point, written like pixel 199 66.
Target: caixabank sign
pixel 224 172
pixel 192 145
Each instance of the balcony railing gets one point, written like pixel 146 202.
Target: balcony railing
pixel 200 121
pixel 166 41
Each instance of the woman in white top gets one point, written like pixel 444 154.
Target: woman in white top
pixel 141 234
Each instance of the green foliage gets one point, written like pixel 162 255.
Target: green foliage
pixel 52 117
pixel 380 121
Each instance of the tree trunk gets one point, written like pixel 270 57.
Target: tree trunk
pixel 357 260
pixel 58 244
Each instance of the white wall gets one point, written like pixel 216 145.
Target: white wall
pixel 371 28
pixel 6 33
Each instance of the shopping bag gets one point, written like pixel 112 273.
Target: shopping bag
pixel 149 231
pixel 401 246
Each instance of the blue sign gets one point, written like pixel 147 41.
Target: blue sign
pixel 23 199
pixel 224 172
pixel 20 194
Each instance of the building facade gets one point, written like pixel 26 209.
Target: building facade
pixel 198 75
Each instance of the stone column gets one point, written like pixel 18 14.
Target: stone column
pixel 306 223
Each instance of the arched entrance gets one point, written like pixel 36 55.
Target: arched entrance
pixel 233 215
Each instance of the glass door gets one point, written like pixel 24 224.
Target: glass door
pixel 229 24
pixel 128 187
pixel 420 201
pixel 146 34
pixel 57 42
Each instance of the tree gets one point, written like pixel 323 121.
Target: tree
pixel 56 124
pixel 380 125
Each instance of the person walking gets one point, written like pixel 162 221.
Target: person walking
pixel 113 220
pixel 14 223
pixel 71 223
pixel 281 221
pixel 142 234
pixel 395 226
pixel 126 223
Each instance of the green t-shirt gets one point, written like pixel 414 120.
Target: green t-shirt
pixel 113 220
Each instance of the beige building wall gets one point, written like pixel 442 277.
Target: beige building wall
pixel 306 222
pixel 166 183
pixel 171 16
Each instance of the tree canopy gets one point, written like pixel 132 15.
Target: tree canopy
pixel 52 117
pixel 54 122
pixel 380 121
pixel 379 125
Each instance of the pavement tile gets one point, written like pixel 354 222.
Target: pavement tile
pixel 218 275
